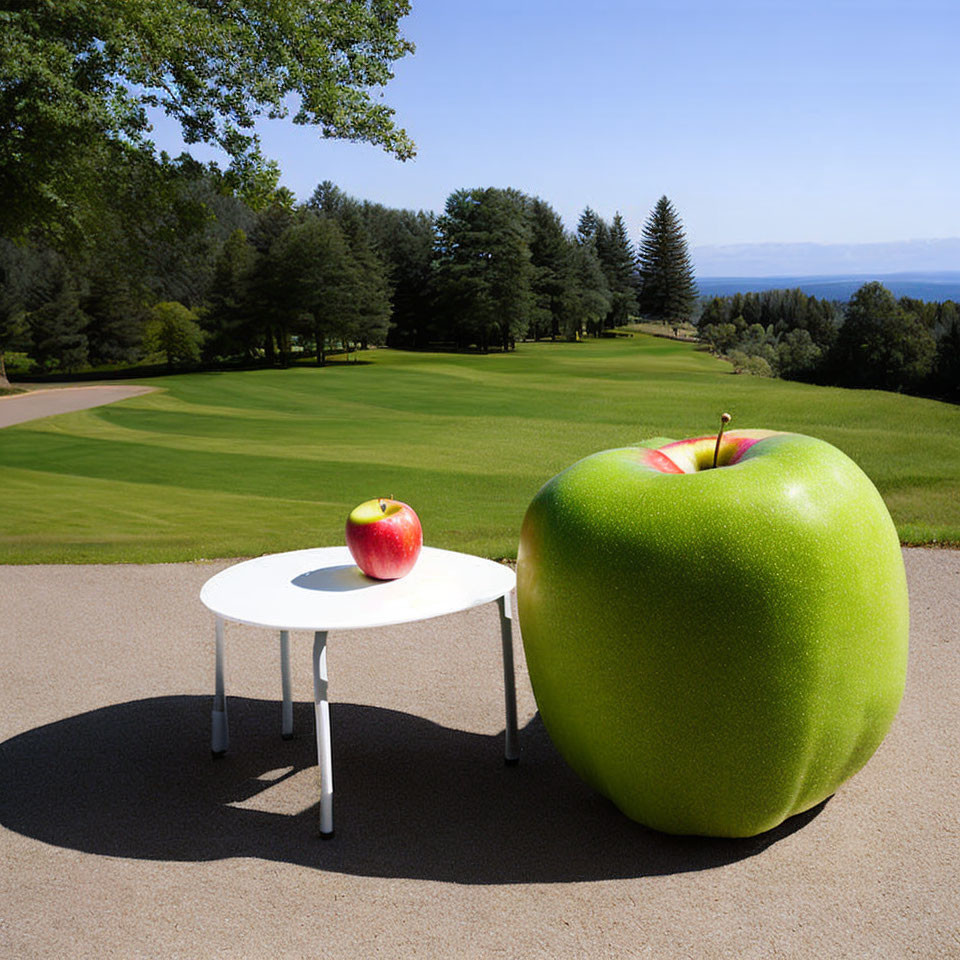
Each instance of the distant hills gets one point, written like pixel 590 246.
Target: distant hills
pixel 944 285
pixel 827 259
pixel 928 269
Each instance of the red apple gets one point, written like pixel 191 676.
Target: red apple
pixel 384 537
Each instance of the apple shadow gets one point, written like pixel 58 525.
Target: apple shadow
pixel 339 579
pixel 413 799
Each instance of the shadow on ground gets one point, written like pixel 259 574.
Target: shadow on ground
pixel 413 799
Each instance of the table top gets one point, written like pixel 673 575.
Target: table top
pixel 323 589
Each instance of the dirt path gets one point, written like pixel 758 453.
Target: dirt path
pixel 21 407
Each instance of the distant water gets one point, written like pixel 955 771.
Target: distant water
pixel 939 286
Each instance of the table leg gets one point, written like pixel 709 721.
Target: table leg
pixel 511 750
pixel 286 726
pixel 324 750
pixel 220 737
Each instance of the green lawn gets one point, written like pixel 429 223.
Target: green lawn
pixel 237 464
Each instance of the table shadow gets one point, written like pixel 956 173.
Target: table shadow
pixel 412 798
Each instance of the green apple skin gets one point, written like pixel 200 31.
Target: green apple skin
pixel 714 650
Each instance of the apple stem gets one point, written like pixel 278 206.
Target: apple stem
pixel 724 420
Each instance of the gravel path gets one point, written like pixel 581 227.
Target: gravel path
pixel 21 407
pixel 120 837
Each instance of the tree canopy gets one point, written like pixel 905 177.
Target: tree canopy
pixel 483 268
pixel 882 343
pixel 77 78
pixel 873 341
pixel 172 330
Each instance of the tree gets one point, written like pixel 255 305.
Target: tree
pixel 483 269
pixel 587 226
pixel 759 341
pixel 720 337
pixel 668 290
pixel 266 286
pixel 180 239
pixel 551 262
pixel 947 364
pixel 115 313
pixel 368 319
pixel 172 330
pixel 880 345
pixel 590 300
pixel 370 311
pixel 714 312
pixel 619 265
pixel 750 363
pixel 404 240
pixel 228 322
pixel 314 279
pixel 752 311
pixel 14 290
pixel 57 326
pixel 329 199
pixel 76 79
pixel 797 355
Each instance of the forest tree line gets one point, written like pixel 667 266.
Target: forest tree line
pixel 206 277
pixel 873 341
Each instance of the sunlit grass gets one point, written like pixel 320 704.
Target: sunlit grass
pixel 237 464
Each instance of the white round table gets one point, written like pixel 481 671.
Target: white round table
pixel 322 589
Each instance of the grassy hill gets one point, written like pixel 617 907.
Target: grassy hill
pixel 237 464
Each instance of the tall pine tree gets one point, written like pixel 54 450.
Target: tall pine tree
pixel 552 276
pixel 371 299
pixel 587 226
pixel 403 239
pixel 58 340
pixel 668 290
pixel 618 262
pixel 590 301
pixel 230 322
pixel 265 289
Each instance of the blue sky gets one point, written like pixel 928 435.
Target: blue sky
pixel 776 121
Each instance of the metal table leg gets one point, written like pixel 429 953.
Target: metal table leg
pixel 324 750
pixel 511 749
pixel 287 709
pixel 220 737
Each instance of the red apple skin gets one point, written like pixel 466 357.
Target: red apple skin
pixel 387 547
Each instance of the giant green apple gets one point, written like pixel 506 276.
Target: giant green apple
pixel 714 649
